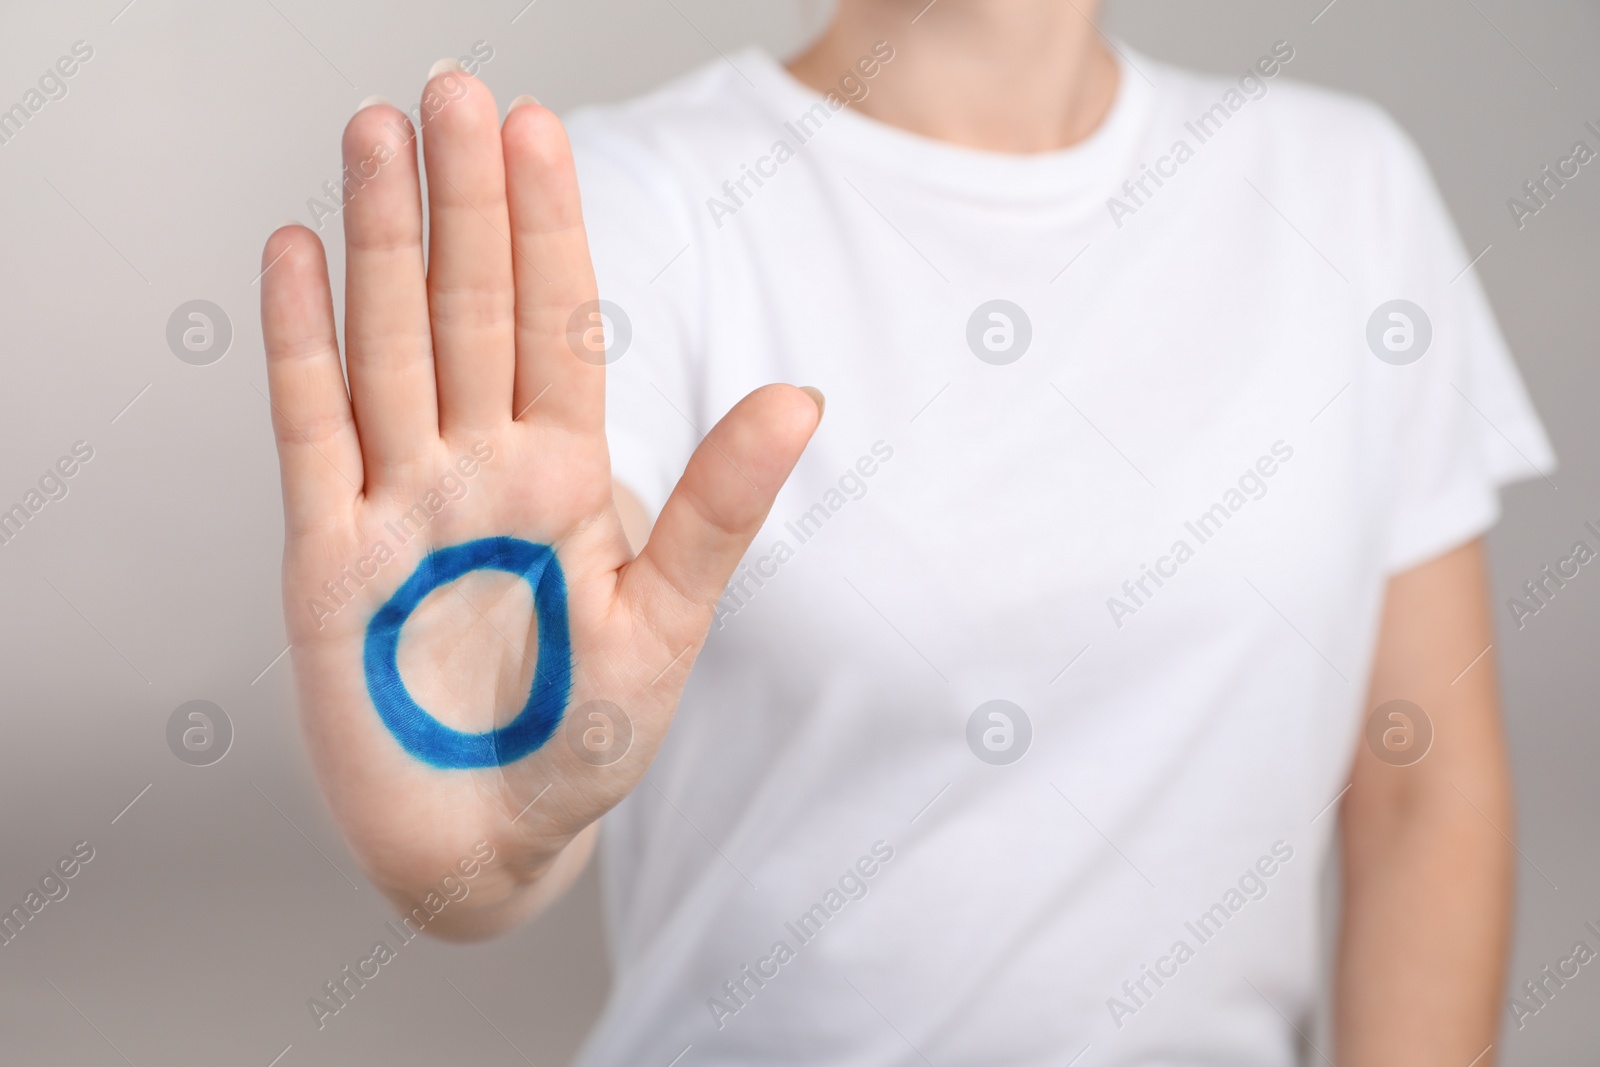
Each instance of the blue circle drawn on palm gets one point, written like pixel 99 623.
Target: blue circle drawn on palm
pixel 424 736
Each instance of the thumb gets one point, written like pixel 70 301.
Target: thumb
pixel 717 507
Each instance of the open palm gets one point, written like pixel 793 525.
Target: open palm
pixel 478 654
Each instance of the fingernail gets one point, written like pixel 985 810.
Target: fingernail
pixel 371 101
pixel 525 98
pixel 442 66
pixel 816 398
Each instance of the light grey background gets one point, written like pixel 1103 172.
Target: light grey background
pixel 208 916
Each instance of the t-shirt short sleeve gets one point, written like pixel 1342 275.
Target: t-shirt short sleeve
pixel 645 267
pixel 1458 419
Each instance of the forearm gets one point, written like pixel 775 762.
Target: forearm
pixel 1426 915
pixel 1428 865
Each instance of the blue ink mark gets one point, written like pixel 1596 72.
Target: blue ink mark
pixel 424 736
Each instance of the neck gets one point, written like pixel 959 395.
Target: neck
pixel 1002 75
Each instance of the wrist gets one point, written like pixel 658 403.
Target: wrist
pixel 492 889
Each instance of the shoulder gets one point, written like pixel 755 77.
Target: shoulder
pixel 1316 136
pixel 1338 164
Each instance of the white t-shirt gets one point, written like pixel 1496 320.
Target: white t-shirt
pixel 1163 533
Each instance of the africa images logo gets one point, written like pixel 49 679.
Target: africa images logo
pixel 1210 122
pixel 852 89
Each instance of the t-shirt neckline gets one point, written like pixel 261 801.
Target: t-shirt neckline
pixel 1093 164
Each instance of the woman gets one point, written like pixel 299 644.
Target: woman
pixel 1143 533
